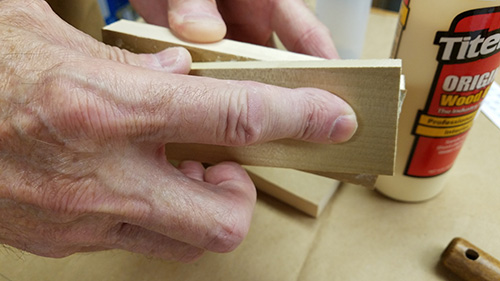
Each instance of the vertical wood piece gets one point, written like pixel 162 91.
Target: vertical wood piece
pixel 469 262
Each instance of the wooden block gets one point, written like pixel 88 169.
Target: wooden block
pixel 365 180
pixel 371 87
pixel 146 38
pixel 305 191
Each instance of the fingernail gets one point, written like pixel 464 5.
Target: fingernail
pixel 174 60
pixel 343 128
pixel 207 18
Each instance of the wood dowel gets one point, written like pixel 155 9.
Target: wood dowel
pixel 469 262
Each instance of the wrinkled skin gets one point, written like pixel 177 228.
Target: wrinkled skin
pixel 250 21
pixel 82 134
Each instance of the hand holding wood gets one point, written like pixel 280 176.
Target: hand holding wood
pixel 251 21
pixel 83 128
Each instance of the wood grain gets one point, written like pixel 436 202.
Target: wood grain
pixel 370 87
pixel 469 262
pixel 306 192
pixel 146 38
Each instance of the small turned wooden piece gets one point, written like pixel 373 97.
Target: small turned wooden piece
pixel 469 262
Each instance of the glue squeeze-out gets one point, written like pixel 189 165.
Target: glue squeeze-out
pixel 450 51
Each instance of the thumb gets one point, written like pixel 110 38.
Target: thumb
pixel 190 109
pixel 172 60
pixel 196 20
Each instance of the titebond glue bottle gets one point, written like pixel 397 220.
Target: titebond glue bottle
pixel 450 51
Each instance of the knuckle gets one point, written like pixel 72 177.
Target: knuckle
pixel 71 107
pixel 315 112
pixel 243 124
pixel 137 239
pixel 69 200
pixel 121 234
pixel 311 34
pixel 227 236
pixel 117 54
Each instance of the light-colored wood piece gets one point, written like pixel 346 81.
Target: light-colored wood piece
pixel 305 191
pixel 365 180
pixel 146 38
pixel 371 87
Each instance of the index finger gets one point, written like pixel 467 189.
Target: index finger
pixel 222 112
pixel 153 106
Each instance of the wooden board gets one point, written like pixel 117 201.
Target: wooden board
pixel 305 191
pixel 145 38
pixel 370 87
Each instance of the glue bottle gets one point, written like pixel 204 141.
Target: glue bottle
pixel 450 51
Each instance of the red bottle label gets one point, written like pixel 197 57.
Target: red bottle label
pixel 468 58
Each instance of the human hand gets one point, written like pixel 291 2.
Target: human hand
pixel 82 133
pixel 250 21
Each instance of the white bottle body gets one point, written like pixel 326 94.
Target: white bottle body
pixel 419 53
